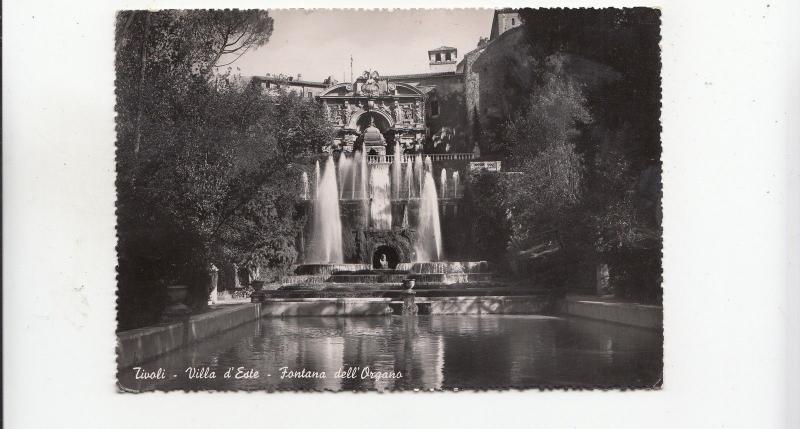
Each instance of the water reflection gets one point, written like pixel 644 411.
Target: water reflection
pixel 429 352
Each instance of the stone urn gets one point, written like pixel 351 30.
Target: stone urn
pixel 408 284
pixel 176 307
pixel 258 285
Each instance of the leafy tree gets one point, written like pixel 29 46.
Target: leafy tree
pixel 540 140
pixel 208 165
pixel 486 200
pixel 619 208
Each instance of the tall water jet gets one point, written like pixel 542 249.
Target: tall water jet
pixel 316 179
pixel 380 208
pixel 327 223
pixel 345 171
pixel 304 181
pixel 428 245
pixel 419 173
pixel 363 176
pixel 408 179
pixel 443 182
pixel 354 176
pixel 455 184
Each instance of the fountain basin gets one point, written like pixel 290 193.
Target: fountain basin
pixel 328 269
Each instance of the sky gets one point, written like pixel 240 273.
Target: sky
pixel 318 43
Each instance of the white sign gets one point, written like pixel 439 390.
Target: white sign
pixel 484 165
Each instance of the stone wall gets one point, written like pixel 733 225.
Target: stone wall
pixel 639 315
pixel 451 122
pixel 496 76
pixel 140 345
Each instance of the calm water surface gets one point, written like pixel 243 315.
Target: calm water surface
pixel 427 352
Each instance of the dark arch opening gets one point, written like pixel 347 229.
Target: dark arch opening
pixel 381 123
pixel 392 257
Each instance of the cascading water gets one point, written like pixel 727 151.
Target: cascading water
pixel 327 223
pixel 455 184
pixel 428 245
pixel 443 182
pixel 380 208
pixel 396 173
pixel 304 180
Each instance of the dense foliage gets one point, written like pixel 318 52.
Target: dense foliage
pixel 585 144
pixel 488 210
pixel 208 165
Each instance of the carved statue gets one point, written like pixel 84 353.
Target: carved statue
pixel 347 113
pixel 370 87
pixel 408 115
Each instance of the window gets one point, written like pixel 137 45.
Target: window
pixel 438 57
pixel 513 21
pixel 447 56
pixel 434 108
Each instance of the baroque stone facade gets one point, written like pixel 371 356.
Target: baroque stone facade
pixel 424 112
pixel 396 109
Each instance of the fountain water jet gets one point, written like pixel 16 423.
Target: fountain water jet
pixel 327 230
pixel 443 181
pixel 316 179
pixel 345 171
pixel 396 166
pixel 408 179
pixel 419 173
pixel 354 175
pixel 363 176
pixel 304 180
pixel 428 245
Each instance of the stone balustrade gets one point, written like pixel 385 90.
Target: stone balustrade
pixel 404 159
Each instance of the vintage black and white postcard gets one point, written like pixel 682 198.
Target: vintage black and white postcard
pixel 381 200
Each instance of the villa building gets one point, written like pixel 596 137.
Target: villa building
pixel 430 112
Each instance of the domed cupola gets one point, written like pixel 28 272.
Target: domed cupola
pixel 373 137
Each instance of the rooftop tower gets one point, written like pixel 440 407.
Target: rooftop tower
pixel 443 59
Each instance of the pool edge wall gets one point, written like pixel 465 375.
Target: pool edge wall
pixel 638 315
pixel 140 345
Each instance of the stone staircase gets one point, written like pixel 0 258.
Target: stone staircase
pixel 431 280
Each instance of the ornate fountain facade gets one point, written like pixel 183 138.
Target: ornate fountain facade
pixel 396 109
pixel 375 185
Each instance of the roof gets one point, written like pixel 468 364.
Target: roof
pixel 422 75
pixel 291 82
pixel 488 42
pixel 443 48
pixel 505 10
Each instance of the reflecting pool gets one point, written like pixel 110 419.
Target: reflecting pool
pixel 423 352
